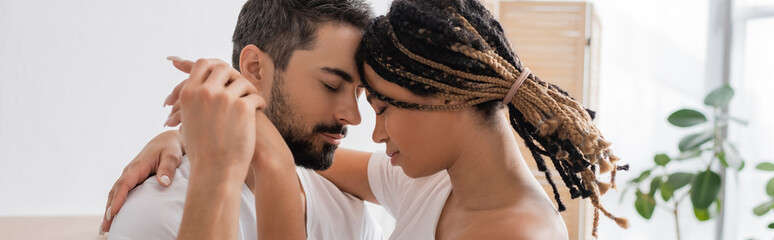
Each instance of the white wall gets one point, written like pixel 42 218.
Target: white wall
pixel 80 91
pixel 81 84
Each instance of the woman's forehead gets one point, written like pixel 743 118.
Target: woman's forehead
pixel 390 89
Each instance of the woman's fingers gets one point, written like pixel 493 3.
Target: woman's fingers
pixel 220 75
pixel 184 66
pixel 175 108
pixel 175 95
pixel 169 160
pixel 174 120
pixel 117 197
pixel 246 90
pixel 256 102
pixel 181 64
pixel 240 87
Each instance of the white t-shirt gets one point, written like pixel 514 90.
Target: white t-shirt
pixel 152 211
pixel 416 203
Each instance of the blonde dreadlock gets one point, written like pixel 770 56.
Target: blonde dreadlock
pixel 459 53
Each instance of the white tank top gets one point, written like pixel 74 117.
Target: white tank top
pixel 416 203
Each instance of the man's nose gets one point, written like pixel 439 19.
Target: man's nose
pixel 347 112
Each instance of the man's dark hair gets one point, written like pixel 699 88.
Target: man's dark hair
pixel 279 27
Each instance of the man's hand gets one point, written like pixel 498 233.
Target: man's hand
pixel 269 144
pixel 278 196
pixel 161 156
pixel 218 107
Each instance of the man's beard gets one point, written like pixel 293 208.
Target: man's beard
pixel 291 126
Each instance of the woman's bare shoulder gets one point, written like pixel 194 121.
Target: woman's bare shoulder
pixel 518 224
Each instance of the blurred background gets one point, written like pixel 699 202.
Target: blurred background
pixel 81 83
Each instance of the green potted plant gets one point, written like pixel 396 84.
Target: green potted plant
pixel 764 207
pixel 705 148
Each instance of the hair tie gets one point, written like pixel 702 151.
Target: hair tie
pixel 524 75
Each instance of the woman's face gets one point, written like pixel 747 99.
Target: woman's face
pixel 421 142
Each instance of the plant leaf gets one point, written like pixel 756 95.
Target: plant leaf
pixel 705 189
pixel 678 180
pixel 655 183
pixel 645 174
pixel 623 194
pixel 770 187
pixel 645 205
pixel 739 120
pixel 765 166
pixel 722 158
pixel 725 118
pixel 693 153
pixel 701 214
pixel 762 208
pixel 731 156
pixel 695 140
pixel 666 191
pixel 720 96
pixel 771 225
pixel 686 118
pixel 661 159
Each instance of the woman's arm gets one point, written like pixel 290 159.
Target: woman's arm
pixel 161 156
pixel 349 173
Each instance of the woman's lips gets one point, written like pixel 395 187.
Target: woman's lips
pixel 393 153
pixel 334 139
pixel 394 157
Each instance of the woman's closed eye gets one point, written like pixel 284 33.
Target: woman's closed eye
pixel 380 110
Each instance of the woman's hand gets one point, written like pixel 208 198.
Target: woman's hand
pixel 162 155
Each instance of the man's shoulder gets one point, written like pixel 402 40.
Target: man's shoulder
pixel 151 211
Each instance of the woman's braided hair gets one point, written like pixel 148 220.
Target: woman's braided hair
pixel 455 50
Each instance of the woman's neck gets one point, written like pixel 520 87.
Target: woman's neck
pixel 489 172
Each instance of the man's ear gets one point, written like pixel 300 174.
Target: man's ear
pixel 256 67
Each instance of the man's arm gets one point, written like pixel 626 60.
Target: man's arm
pixel 218 107
pixel 279 200
pixel 212 204
pixel 349 173
pixel 217 131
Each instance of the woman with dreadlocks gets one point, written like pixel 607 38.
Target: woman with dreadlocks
pixel 436 74
pixel 439 74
